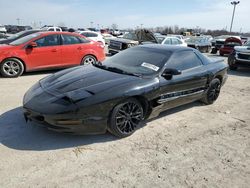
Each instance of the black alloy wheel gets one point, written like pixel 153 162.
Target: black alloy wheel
pixel 213 92
pixel 125 118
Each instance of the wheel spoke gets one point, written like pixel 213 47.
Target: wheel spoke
pixel 122 126
pixel 6 66
pixel 128 117
pixel 122 112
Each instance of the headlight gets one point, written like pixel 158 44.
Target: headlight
pixel 33 91
pixel 130 45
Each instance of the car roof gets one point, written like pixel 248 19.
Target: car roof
pixel 58 33
pixel 89 32
pixel 167 48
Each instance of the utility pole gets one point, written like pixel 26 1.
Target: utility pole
pixel 234 3
pixel 18 21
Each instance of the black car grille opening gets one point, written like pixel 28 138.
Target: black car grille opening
pixel 244 56
pixel 115 45
pixel 39 118
pixel 220 42
pixel 191 46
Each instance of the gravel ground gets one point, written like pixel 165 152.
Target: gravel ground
pixel 190 146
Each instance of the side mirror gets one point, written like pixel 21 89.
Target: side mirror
pixel 169 73
pixel 32 45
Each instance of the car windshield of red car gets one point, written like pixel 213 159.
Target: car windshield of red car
pixel 24 39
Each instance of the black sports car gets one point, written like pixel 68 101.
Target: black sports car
pixel 119 93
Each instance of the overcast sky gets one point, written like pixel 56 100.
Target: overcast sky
pixel 209 14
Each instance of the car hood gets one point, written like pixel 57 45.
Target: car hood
pixel 83 81
pixel 220 40
pixel 233 39
pixel 127 41
pixel 242 48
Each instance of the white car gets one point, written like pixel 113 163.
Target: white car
pixel 51 28
pixel 95 36
pixel 181 37
pixel 3 29
pixel 107 37
pixel 173 41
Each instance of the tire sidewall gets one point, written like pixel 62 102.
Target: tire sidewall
pixel 112 127
pixel 85 57
pixel 18 62
pixel 230 61
pixel 213 82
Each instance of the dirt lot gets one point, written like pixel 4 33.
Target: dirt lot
pixel 190 146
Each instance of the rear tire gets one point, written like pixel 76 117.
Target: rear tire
pixel 231 60
pixel 125 118
pixel 213 92
pixel 214 51
pixel 88 59
pixel 11 68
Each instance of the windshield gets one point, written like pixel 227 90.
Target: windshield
pixel 16 35
pixel 130 36
pixel 192 40
pixel 138 61
pixel 24 39
pixel 196 40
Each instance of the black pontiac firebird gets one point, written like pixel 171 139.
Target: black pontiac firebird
pixel 119 93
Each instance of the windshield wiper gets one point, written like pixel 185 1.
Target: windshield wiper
pixel 115 69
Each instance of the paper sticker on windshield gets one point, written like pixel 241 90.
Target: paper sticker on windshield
pixel 150 66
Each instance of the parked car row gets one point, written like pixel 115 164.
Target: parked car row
pixel 143 36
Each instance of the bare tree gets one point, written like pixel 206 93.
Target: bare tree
pixel 114 26
pixel 61 24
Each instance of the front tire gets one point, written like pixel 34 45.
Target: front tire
pixel 125 118
pixel 88 59
pixel 213 92
pixel 11 68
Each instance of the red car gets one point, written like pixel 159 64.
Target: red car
pixel 46 50
pixel 229 45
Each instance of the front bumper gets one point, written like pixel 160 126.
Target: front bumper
pixel 68 123
pixel 56 113
pixel 113 51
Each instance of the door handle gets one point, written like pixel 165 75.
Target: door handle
pixel 54 50
pixel 79 48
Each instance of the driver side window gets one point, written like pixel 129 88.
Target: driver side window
pixel 168 41
pixel 184 60
pixel 50 40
